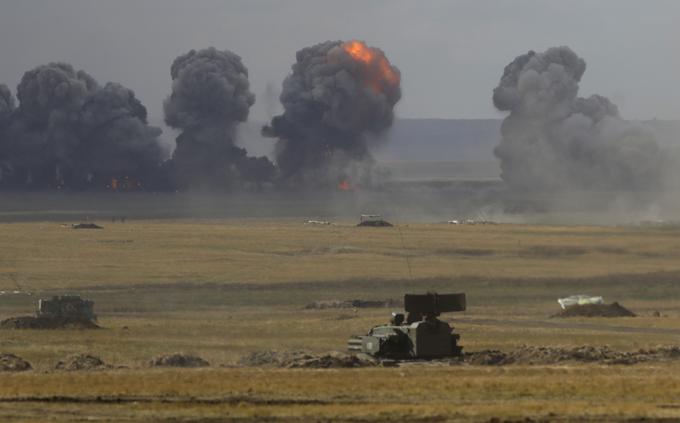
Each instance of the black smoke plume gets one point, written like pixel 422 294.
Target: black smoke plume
pixel 68 132
pixel 210 96
pixel 555 140
pixel 338 96
pixel 6 103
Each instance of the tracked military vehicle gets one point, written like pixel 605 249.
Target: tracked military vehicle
pixel 419 334
pixel 66 307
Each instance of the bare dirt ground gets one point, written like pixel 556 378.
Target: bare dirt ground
pixel 595 310
pixel 32 322
pixel 582 325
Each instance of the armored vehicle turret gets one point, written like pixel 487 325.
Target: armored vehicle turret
pixel 66 307
pixel 419 334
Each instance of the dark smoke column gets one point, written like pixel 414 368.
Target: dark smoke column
pixel 68 132
pixel 338 95
pixel 6 109
pixel 6 103
pixel 210 96
pixel 117 141
pixel 44 131
pixel 555 140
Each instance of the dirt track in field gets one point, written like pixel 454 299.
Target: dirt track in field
pixel 566 325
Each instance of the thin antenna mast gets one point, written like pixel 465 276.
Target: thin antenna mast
pixel 403 247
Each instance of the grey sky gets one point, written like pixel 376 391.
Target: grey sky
pixel 451 53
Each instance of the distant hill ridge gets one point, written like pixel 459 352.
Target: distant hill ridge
pixel 471 140
pixel 468 140
pixel 442 140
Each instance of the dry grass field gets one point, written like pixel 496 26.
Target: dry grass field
pixel 222 289
pixel 51 256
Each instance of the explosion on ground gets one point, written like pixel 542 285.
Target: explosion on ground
pixel 188 273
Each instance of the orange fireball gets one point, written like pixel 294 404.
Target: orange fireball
pixel 380 70
pixel 359 51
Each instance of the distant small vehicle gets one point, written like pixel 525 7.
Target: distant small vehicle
pixel 66 307
pixel 577 300
pixel 418 335
pixel 86 226
pixel 371 217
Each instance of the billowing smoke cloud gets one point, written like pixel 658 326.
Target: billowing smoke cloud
pixel 117 138
pixel 210 96
pixel 6 109
pixel 338 96
pixel 6 103
pixel 69 132
pixel 555 140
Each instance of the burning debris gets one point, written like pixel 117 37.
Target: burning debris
pixel 210 96
pixel 339 96
pixel 69 132
pixel 555 140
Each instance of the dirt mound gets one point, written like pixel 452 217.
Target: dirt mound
pixel 596 310
pixel 524 420
pixel 486 358
pixel 12 363
pixel 86 226
pixel 304 359
pixel 178 360
pixel 525 355
pixel 81 362
pixel 353 304
pixel 583 354
pixel 376 223
pixel 32 322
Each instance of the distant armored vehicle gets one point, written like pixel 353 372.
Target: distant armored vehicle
pixel 418 335
pixel 375 220
pixel 86 226
pixel 371 217
pixel 67 307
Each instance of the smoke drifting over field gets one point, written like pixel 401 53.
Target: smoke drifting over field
pixel 210 96
pixel 69 132
pixel 339 96
pixel 555 140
